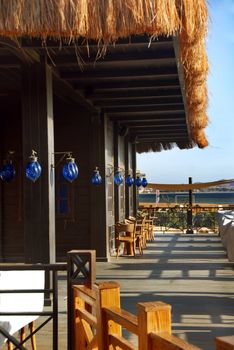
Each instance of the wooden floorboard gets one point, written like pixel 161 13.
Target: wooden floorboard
pixel 191 273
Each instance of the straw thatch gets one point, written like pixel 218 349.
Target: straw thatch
pixel 108 20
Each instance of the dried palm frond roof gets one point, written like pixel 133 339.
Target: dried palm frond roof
pixel 109 20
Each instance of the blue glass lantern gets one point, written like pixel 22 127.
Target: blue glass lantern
pixel 33 168
pixel 7 173
pixel 96 178
pixel 129 180
pixel 138 181
pixel 118 178
pixel 70 170
pixel 144 182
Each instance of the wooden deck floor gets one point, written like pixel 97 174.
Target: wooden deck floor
pixel 191 273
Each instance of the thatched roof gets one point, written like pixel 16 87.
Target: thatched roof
pixel 108 20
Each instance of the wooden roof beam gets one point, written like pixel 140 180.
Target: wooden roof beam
pixel 112 104
pixel 147 82
pixel 134 93
pixel 143 110
pixel 126 73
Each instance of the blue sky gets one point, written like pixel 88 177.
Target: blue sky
pixel 217 160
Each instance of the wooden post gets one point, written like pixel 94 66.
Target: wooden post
pixel 116 164
pixel 38 134
pixel 152 317
pixel 225 343
pixel 190 211
pixel 108 294
pixel 127 188
pixel 81 269
pixel 99 237
pixel 135 199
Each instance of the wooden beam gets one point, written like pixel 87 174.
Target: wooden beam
pixel 65 91
pixel 147 82
pixel 134 72
pixel 163 139
pixel 146 109
pixel 146 101
pixel 149 129
pixel 179 134
pixel 118 58
pixel 135 125
pixel 81 42
pixel 134 93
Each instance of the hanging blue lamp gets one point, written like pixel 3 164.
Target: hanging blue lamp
pixel 70 170
pixel 138 181
pixel 33 168
pixel 129 180
pixel 7 173
pixel 118 178
pixel 144 182
pixel 96 177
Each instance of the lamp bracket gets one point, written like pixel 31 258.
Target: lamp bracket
pixel 62 154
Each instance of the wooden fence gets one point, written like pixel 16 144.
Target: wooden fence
pixel 98 320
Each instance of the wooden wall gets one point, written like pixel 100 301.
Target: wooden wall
pixel 11 210
pixel 72 125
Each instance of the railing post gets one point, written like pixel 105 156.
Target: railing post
pixel 225 343
pixel 108 295
pixel 152 317
pixel 81 269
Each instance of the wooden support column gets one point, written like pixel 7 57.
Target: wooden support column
pixel 135 200
pixel 127 189
pixel 38 134
pixel 116 164
pixel 99 239
pixel 190 211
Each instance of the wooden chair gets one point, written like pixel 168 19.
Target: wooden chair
pixel 140 225
pixel 138 233
pixel 149 227
pixel 125 233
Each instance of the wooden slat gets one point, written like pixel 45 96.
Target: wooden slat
pixel 124 318
pixel 121 342
pixel 86 294
pixel 87 316
pixel 167 341
pixel 224 343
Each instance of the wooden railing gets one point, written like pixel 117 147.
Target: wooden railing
pixel 99 320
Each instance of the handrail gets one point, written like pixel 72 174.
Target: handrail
pixel 87 316
pixel 87 294
pixel 168 341
pixel 121 342
pixel 123 317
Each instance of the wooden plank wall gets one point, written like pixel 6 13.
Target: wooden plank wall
pixel 11 225
pixel 72 134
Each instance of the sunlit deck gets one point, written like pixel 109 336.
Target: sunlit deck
pixel 189 272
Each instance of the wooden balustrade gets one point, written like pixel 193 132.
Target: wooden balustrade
pixel 98 318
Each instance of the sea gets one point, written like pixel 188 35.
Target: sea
pixel 183 197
